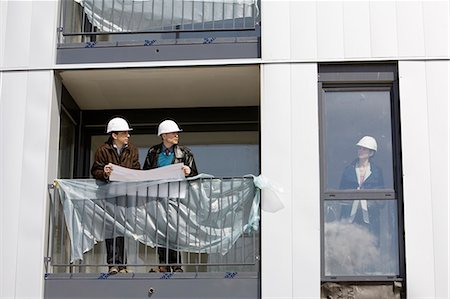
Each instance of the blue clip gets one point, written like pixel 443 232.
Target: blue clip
pixel 149 42
pixel 103 276
pixel 230 275
pixel 90 44
pixel 167 275
pixel 208 40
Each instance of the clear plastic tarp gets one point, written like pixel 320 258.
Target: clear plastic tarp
pixel 142 15
pixel 201 214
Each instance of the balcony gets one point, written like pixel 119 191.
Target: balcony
pixel 95 31
pixel 213 224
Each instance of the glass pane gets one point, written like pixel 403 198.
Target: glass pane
pixel 358 140
pixel 222 160
pixel 66 147
pixel 361 238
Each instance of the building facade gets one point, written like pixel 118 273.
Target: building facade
pixel 308 54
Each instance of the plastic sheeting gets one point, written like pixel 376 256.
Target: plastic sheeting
pixel 202 214
pixel 142 15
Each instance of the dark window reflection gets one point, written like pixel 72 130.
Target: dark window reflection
pixel 361 238
pixel 358 141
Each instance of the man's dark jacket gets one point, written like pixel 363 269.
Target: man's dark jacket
pixel 106 154
pixel 182 154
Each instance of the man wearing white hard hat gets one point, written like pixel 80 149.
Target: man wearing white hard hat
pixel 166 153
pixel 119 151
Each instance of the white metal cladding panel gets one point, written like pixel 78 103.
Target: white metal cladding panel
pixel 276 161
pixel 346 30
pixel 305 181
pixel 17 36
pixel 30 33
pixel 32 218
pixel 383 29
pixel 276 42
pixel 410 29
pixel 12 103
pixel 2 30
pixel 438 96
pixel 330 30
pixel 436 15
pixel 356 29
pixel 418 214
pixel 43 33
pixel 304 30
pixel 26 99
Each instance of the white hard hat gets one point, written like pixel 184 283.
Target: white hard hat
pixel 117 124
pixel 168 126
pixel 368 142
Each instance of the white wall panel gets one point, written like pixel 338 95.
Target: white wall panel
pixel 383 28
pixel 2 30
pixel 30 34
pixel 43 33
pixel 304 30
pixel 17 37
pixel 330 30
pixel 436 16
pixel 356 29
pixel 12 105
pixel 418 212
pixel 438 85
pixel 305 181
pixel 410 29
pixel 33 198
pixel 275 41
pixel 276 161
pixel 25 104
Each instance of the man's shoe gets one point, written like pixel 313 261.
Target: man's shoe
pixel 113 270
pixel 124 270
pixel 177 269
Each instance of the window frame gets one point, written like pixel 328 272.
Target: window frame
pixel 362 77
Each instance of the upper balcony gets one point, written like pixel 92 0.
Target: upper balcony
pixel 98 31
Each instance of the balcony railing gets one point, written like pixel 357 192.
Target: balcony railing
pixel 128 21
pixel 212 223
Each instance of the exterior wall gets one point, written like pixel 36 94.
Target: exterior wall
pixel 295 36
pixel 415 33
pixel 424 96
pixel 29 125
pixel 354 30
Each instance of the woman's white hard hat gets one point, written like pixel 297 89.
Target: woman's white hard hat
pixel 368 142
pixel 168 126
pixel 118 124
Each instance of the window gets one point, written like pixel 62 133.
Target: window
pixel 360 173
